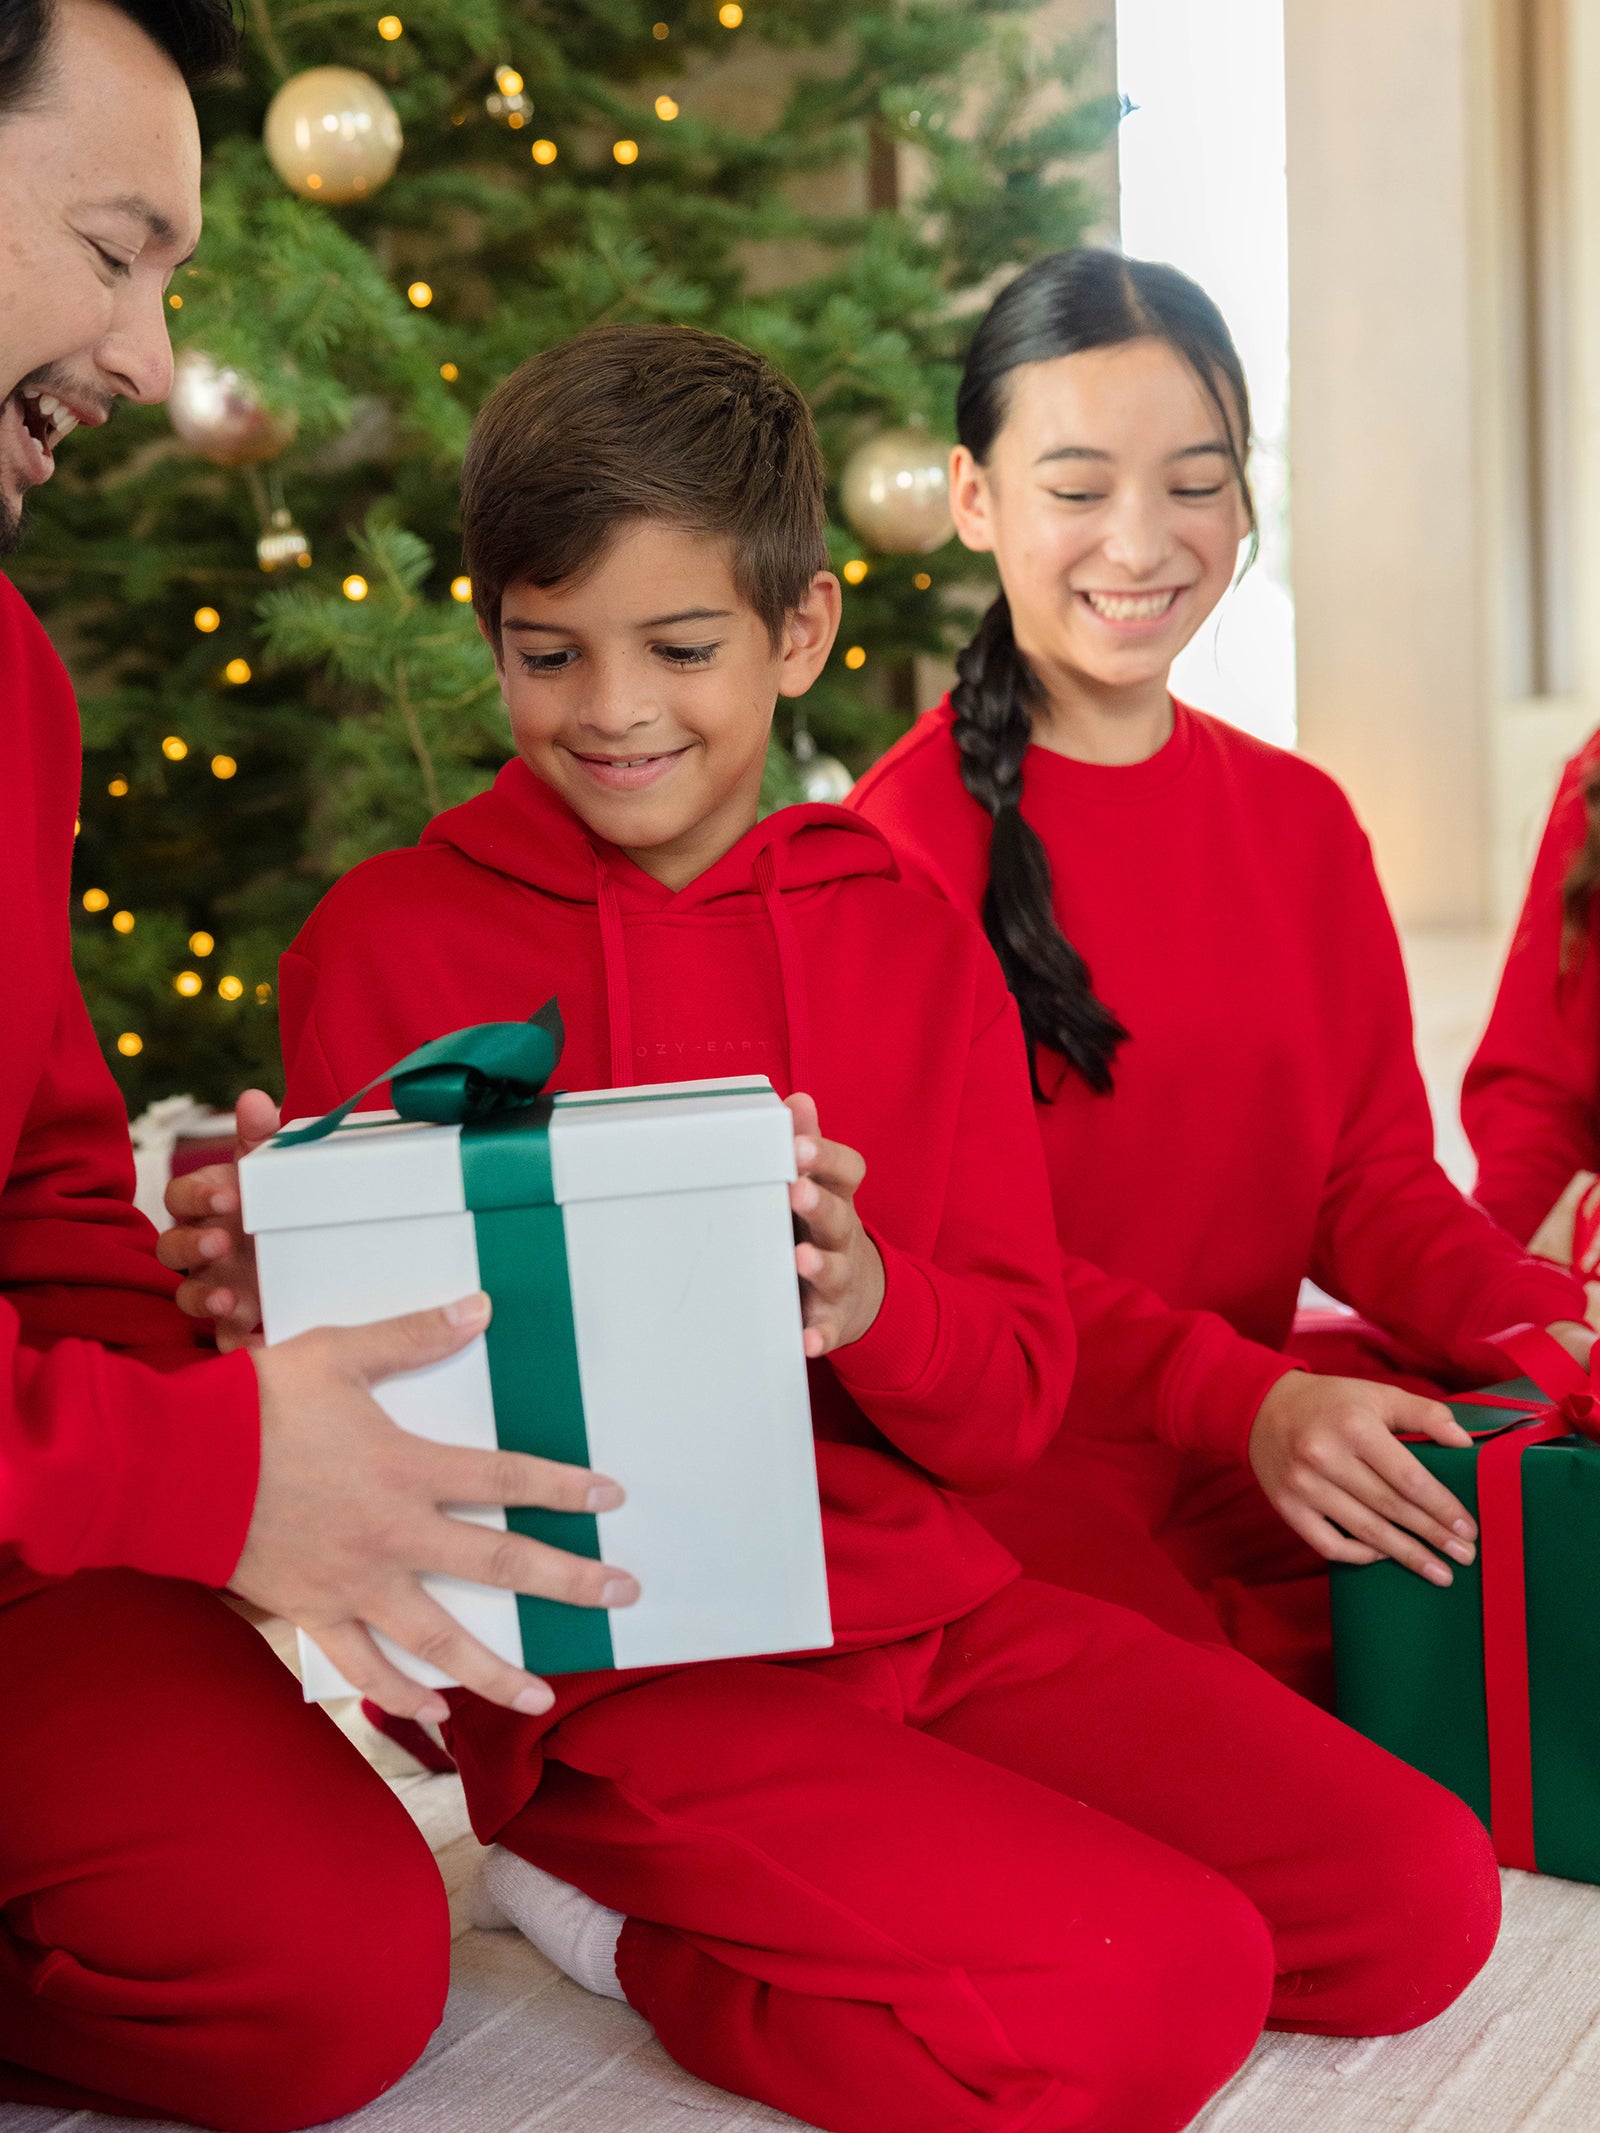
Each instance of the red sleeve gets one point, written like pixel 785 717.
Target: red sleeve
pixel 1531 1099
pixel 977 1331
pixel 1395 1239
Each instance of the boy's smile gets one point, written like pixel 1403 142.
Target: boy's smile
pixel 644 692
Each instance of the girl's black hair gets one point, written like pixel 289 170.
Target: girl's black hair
pixel 1061 306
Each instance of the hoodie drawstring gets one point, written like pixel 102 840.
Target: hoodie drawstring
pixel 791 971
pixel 614 955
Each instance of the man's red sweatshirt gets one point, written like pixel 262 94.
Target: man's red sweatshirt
pixel 104 1459
pixel 799 955
pixel 1531 1099
pixel 1268 1121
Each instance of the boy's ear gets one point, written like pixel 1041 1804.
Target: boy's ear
pixel 808 634
pixel 970 501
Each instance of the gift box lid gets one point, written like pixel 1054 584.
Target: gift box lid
pixel 683 1136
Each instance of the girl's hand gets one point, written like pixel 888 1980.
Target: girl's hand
pixel 208 1242
pixel 841 1273
pixel 1324 1451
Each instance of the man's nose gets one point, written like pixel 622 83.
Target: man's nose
pixel 136 355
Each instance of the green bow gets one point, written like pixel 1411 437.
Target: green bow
pixel 472 1074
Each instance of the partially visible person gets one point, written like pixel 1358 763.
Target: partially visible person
pixel 1210 980
pixel 1531 1098
pixel 210 1907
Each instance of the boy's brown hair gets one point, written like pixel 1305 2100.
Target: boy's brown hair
pixel 630 423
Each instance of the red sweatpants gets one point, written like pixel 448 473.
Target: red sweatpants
pixel 210 1907
pixel 1048 1868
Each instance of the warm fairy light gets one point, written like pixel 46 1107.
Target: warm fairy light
pixel 263 994
pixel 922 581
pixel 123 921
pixel 666 108
pixel 118 788
pixel 95 899
pixel 206 619
pixel 188 983
pixel 176 301
pixel 419 294
pixel 174 748
pixel 660 30
pixel 223 766
pixel 449 373
pixel 730 15
pixel 508 81
pixel 201 943
pixel 237 671
pixel 390 27
pixel 130 1044
pixel 625 151
pixel 854 571
pixel 230 988
pixel 77 825
pixel 355 586
pixel 313 182
pixel 545 151
pixel 516 121
pixel 461 589
pixel 855 657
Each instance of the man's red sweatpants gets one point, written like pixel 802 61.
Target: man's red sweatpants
pixel 210 1907
pixel 1050 1868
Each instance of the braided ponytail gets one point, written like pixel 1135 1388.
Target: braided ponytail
pixel 993 700
pixel 1062 305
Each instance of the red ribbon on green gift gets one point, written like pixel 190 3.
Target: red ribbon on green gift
pixel 1574 1395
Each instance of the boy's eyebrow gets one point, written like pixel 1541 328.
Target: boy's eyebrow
pixel 659 622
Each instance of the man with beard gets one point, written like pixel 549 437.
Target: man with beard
pixel 210 1908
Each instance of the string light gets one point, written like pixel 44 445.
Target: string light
pixel 508 81
pixel 545 151
pixel 449 373
pixel 174 748
pixel 188 983
pixel 175 300
pixel 666 109
pixel 95 899
pixel 854 571
pixel 123 921
pixel 223 766
pixel 263 994
pixel 855 657
pixel 206 619
pixel 419 294
pixel 231 988
pixel 625 151
pixel 390 27
pixel 461 589
pixel 730 15
pixel 355 586
pixel 237 671
pixel 201 943
pixel 922 581
pixel 660 31
pixel 130 1044
pixel 118 788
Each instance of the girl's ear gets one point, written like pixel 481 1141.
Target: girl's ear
pixel 808 634
pixel 971 502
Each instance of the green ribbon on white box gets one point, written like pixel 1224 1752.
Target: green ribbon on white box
pixel 638 1250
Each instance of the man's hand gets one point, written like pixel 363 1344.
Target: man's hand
pixel 1324 1451
pixel 841 1272
pixel 209 1243
pixel 349 1514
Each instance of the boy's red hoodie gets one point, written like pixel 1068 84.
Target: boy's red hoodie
pixel 802 956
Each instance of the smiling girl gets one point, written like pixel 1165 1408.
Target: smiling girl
pixel 1217 1012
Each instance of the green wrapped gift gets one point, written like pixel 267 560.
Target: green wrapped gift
pixel 1489 1685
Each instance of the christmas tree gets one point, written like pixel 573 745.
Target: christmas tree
pixel 835 182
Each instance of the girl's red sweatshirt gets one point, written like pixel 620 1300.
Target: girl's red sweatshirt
pixel 802 956
pixel 1531 1099
pixel 103 1459
pixel 1268 1121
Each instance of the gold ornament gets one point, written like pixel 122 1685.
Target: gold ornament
pixel 332 135
pixel 218 414
pixel 283 546
pixel 896 493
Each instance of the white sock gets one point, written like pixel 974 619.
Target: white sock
pixel 577 1934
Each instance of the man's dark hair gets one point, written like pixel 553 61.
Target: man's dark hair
pixel 654 423
pixel 200 37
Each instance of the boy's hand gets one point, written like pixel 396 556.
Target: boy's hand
pixel 1324 1451
pixel 209 1243
pixel 349 1514
pixel 841 1273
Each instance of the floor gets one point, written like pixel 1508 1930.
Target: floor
pixel 521 2048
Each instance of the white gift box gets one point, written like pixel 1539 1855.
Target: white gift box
pixel 647 1323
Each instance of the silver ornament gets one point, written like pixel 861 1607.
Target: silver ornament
pixel 283 546
pixel 218 414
